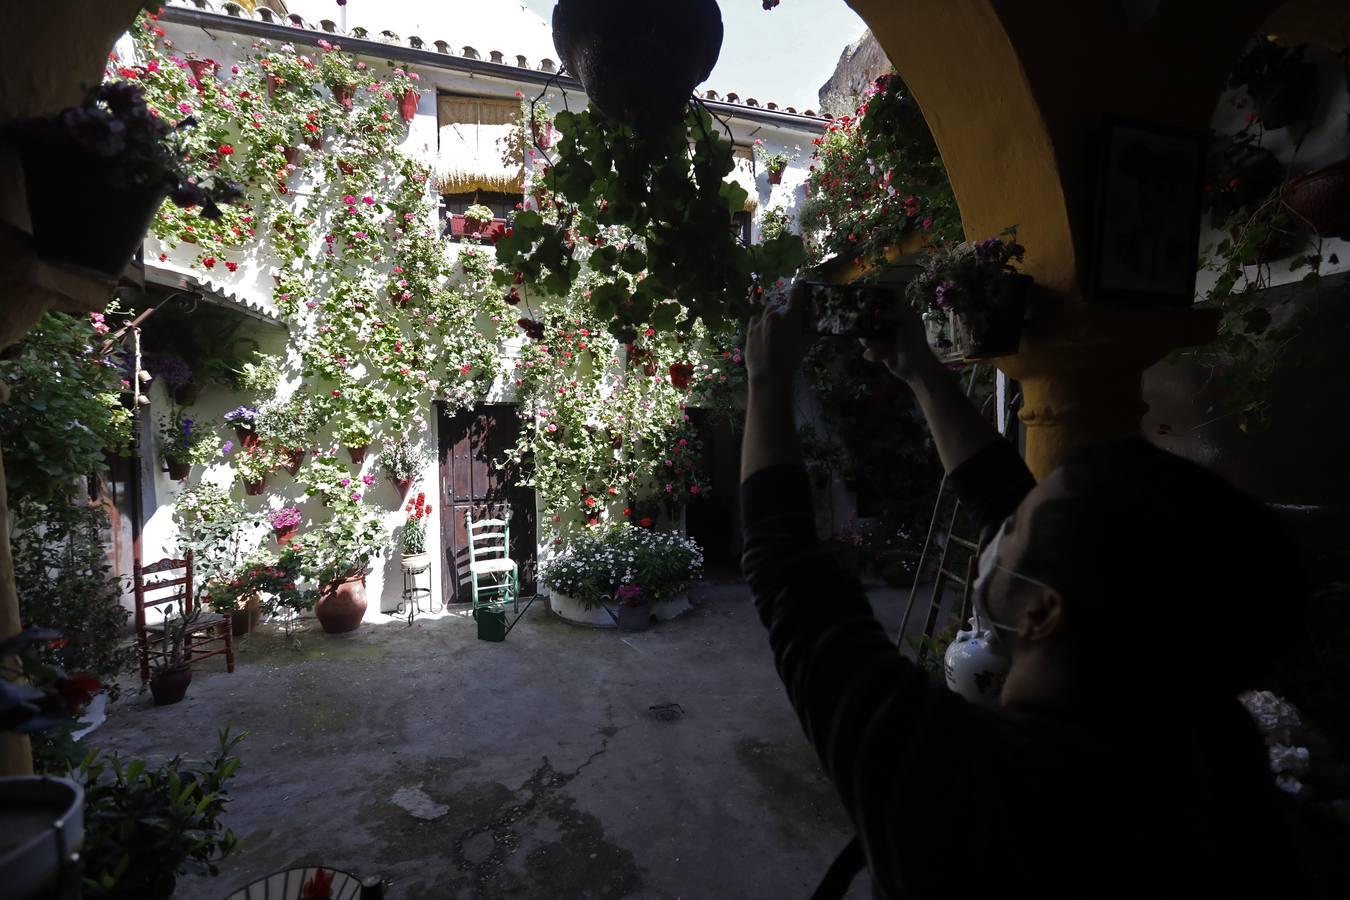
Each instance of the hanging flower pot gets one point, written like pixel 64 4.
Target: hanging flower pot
pixel 285 534
pixel 78 216
pixel 358 454
pixel 255 488
pixel 293 460
pixel 402 486
pixel 203 70
pixel 639 62
pixel 1001 333
pixel 407 105
pixel 343 94
pixel 186 394
pixel 680 375
pixel 542 134
pixel 179 471
pixel 1321 199
pixel 342 604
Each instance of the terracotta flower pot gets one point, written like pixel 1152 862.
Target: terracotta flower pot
pixel 543 136
pixel 315 142
pixel 293 460
pixel 342 605
pixel 273 82
pixel 345 167
pixel 775 176
pixel 179 471
pixel 255 488
pixel 1322 199
pixel 292 155
pixel 475 226
pixel 77 217
pixel 343 94
pixel 639 62
pixel 203 70
pixel 170 685
pixel 402 486
pixel 248 438
pixel 358 454
pixel 245 619
pixel 680 375
pixel 285 534
pixel 407 105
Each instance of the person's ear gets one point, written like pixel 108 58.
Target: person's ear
pixel 1044 615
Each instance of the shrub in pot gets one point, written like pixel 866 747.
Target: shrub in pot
pixel 600 560
pixel 336 558
pixel 401 463
pixel 182 443
pixel 170 673
pixel 977 285
pixel 413 537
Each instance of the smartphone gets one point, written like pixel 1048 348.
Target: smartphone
pixel 850 310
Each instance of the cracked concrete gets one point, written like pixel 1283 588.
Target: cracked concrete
pixel 533 768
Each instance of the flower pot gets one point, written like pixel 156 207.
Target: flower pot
pixel 345 167
pixel 475 226
pixel 203 70
pixel 293 460
pixel 170 685
pixel 42 820
pixel 292 155
pixel 186 395
pixel 342 605
pixel 402 486
pixel 1321 199
pixel 543 136
pixel 315 142
pixel 639 62
pixel 78 217
pixel 358 454
pixel 407 105
pixel 255 488
pixel 248 438
pixel 179 471
pixel 343 94
pixel 273 82
pixel 245 619
pixel 285 534
pixel 1002 332
pixel 775 176
pixel 416 562
pixel 636 617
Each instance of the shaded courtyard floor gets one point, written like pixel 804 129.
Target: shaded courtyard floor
pixel 531 768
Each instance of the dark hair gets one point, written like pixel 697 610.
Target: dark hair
pixel 1174 579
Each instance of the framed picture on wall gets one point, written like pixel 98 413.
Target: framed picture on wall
pixel 1147 224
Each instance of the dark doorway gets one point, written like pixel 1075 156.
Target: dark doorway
pixel 714 519
pixel 472 444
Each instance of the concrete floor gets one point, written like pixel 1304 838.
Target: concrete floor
pixel 533 768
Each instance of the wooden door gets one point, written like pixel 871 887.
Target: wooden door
pixel 471 446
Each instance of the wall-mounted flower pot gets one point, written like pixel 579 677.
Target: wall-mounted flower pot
pixel 248 438
pixel 680 375
pixel 407 105
pixel 255 488
pixel 1002 333
pixel 542 134
pixel 315 142
pixel 342 605
pixel 402 486
pixel 203 70
pixel 273 82
pixel 245 619
pixel 639 62
pixel 293 460
pixel 292 155
pixel 1321 199
pixel 285 534
pixel 775 176
pixel 358 454
pixel 170 685
pixel 179 471
pixel 78 218
pixel 186 394
pixel 345 167
pixel 343 94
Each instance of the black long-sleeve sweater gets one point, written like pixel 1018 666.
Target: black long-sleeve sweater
pixel 952 800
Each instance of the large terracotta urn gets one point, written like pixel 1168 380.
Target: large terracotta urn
pixel 342 605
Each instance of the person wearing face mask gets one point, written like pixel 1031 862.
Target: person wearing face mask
pixel 1123 603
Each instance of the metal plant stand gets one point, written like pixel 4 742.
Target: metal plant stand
pixel 411 603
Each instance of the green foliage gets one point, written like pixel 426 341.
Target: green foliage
pixel 182 440
pixel 217 529
pixel 65 583
pixel 774 222
pixel 144 826
pixel 286 424
pixel 632 211
pixel 274 577
pixel 969 280
pixel 600 560
pixel 878 178
pixel 64 409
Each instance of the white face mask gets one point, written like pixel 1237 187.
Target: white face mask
pixel 977 662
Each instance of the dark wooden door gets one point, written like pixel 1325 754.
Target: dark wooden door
pixel 472 444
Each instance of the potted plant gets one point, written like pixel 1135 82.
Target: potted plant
pixel 401 463
pixel 243 418
pixel 1279 80
pixel 774 163
pixel 254 464
pixel 183 444
pixel 638 62
pixel 170 672
pixel 1321 199
pixel 413 539
pixel 226 598
pixel 635 613
pixel 403 85
pixel 288 427
pixel 285 521
pixel 174 373
pixel 336 558
pixel 476 218
pixel 978 287
pixel 598 561
pixel 97 173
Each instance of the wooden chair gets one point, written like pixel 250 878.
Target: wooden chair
pixel 488 560
pixel 170 581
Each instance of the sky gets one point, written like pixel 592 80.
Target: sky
pixel 783 55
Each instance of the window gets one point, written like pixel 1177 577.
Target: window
pixel 454 205
pixel 473 133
